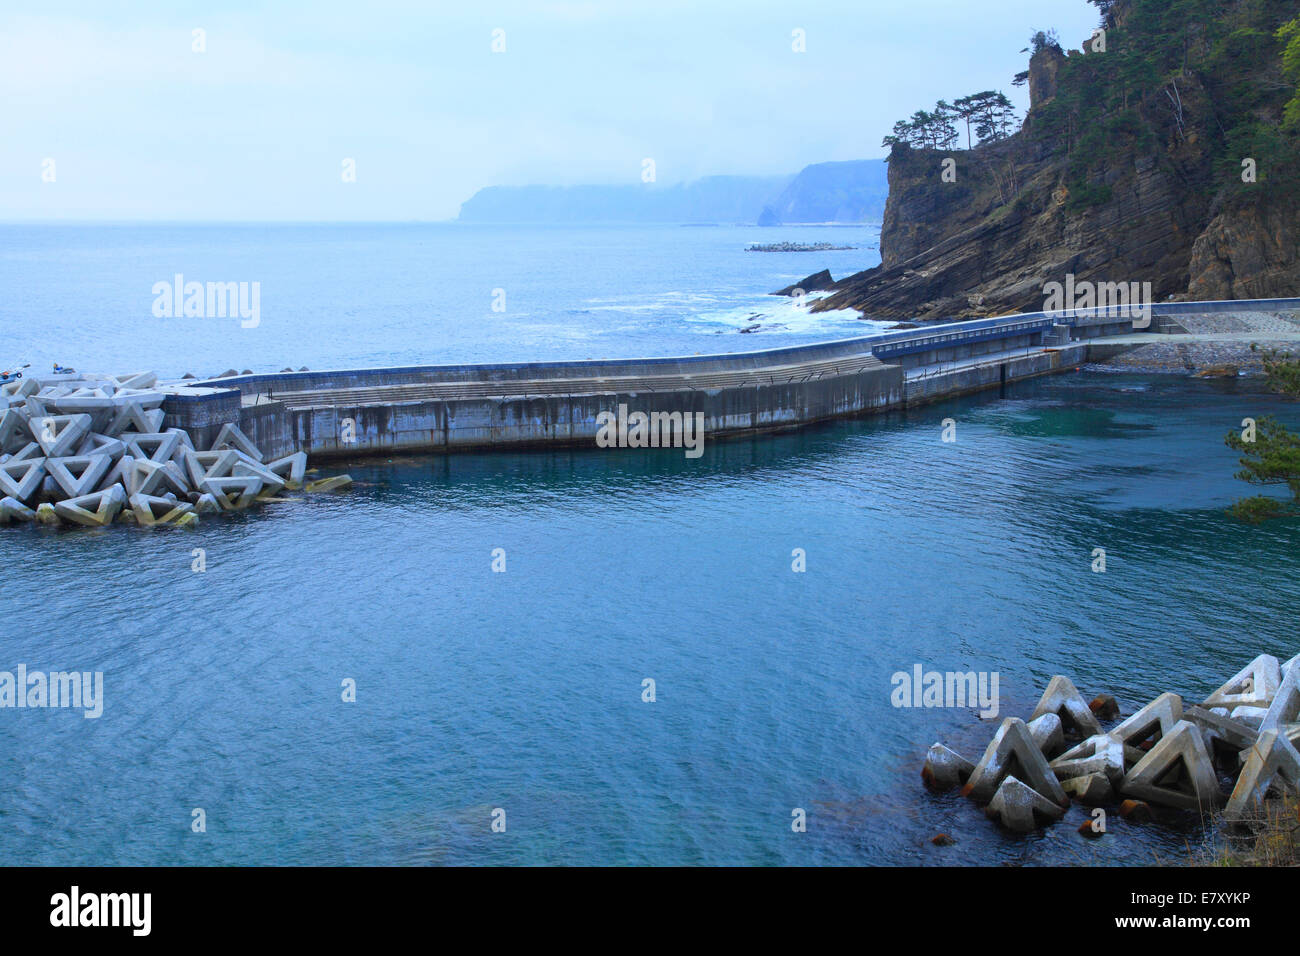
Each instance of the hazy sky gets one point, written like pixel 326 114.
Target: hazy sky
pixel 140 126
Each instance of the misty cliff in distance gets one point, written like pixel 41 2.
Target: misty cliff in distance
pixel 712 199
pixel 847 192
pixel 852 191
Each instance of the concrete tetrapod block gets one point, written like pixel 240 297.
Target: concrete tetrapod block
pixel 151 510
pixel 133 417
pixel 231 437
pixel 945 769
pixel 183 444
pixel 1177 772
pixel 59 435
pixel 11 509
pixel 28 452
pixel 1093 790
pixel 1231 734
pixel 1100 753
pixel 142 477
pixel 97 444
pixel 209 464
pixel 79 474
pixel 233 494
pixel 117 474
pixel 1252 686
pixel 21 388
pixel 156 446
pixel 291 468
pixel 94 510
pixel 1013 752
pixel 21 478
pixel 14 431
pixel 1020 808
pixel 1048 734
pixel 1063 699
pixel 1285 708
pixel 140 380
pixel 1273 763
pixel 334 483
pixel 1149 724
pixel 1251 716
pixel 95 402
pixel 147 399
pixel 174 478
pixel 206 504
pixel 45 514
pixel 271 482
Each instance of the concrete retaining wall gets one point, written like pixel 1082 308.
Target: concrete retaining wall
pixel 964 381
pixel 804 385
pixel 482 423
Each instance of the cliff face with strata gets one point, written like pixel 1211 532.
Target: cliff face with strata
pixel 1153 201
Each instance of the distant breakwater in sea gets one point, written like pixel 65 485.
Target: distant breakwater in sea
pixel 797 247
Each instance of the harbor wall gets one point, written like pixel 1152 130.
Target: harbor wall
pixel 353 412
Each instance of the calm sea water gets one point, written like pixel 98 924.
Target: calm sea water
pixel 523 690
pixel 350 295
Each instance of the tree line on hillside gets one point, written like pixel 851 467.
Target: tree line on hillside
pixel 1229 67
pixel 988 117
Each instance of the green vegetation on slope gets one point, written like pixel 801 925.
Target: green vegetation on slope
pixel 1270 452
pixel 1174 71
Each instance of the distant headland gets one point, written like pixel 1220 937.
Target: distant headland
pixel 825 193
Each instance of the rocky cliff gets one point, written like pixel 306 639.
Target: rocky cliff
pixel 1129 167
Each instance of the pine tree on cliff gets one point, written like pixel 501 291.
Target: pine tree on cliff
pixel 926 129
pixel 990 112
pixel 1270 452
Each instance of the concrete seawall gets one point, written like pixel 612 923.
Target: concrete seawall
pixel 474 407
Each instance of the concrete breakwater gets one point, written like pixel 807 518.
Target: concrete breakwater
pixel 475 407
pixel 346 413
pixel 1169 754
pixel 92 450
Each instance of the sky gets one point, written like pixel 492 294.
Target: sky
pixel 120 110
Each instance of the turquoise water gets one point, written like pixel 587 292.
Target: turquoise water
pixel 522 690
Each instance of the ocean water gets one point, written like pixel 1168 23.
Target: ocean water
pixel 349 295
pixel 523 691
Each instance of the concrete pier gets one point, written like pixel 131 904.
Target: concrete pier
pixel 348 413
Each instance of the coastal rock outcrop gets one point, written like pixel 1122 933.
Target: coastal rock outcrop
pixel 1249 251
pixel 817 282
